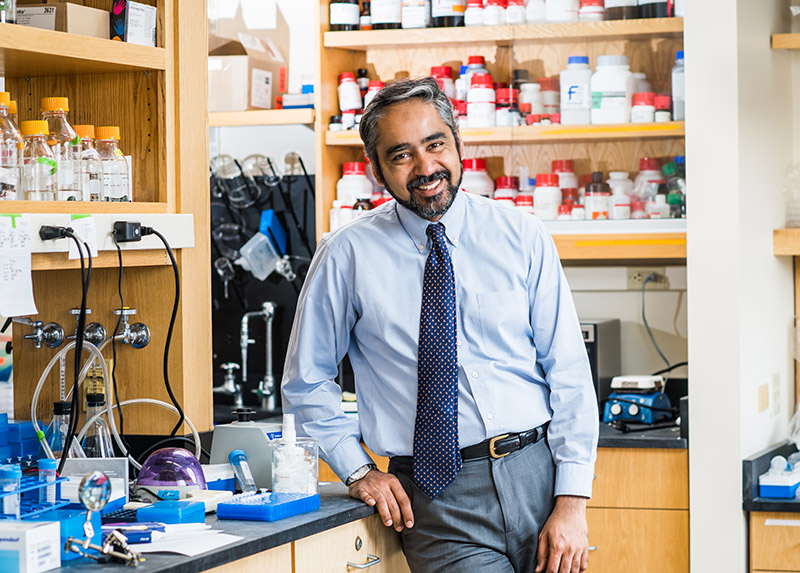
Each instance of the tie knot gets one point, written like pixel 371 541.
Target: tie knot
pixel 435 231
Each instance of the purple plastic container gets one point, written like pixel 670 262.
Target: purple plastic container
pixel 172 467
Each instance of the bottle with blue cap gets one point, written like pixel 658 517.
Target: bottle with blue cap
pixel 241 469
pixel 47 474
pixel 678 89
pixel 576 96
pixel 10 477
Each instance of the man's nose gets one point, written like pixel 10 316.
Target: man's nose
pixel 425 165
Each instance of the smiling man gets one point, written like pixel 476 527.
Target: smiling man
pixel 470 368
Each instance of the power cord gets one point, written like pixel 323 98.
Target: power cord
pixel 114 344
pixel 652 278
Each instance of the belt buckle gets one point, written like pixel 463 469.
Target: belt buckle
pixel 492 442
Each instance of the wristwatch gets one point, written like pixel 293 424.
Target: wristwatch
pixel 360 473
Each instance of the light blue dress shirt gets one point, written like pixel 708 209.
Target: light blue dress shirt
pixel 521 356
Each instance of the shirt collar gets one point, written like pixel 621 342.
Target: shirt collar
pixel 453 221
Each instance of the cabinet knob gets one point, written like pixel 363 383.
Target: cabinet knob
pixel 593 548
pixel 371 560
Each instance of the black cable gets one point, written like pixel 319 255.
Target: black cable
pixel 290 210
pixel 151 231
pixel 651 278
pixel 114 346
pixel 86 277
pixel 670 369
pixel 143 456
pixel 308 179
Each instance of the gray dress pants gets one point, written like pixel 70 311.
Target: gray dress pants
pixel 487 520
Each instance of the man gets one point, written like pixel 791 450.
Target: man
pixel 470 368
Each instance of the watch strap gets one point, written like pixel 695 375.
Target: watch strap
pixel 359 474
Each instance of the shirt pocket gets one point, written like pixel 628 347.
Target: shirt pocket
pixel 505 322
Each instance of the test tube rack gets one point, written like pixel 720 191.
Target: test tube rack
pixel 29 497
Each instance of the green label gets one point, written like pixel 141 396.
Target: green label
pixel 75 141
pixel 51 162
pixel 597 100
pixel 13 218
pixel 75 217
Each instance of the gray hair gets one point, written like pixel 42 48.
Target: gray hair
pixel 425 90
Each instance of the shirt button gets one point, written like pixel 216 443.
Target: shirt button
pixel 458 343
pixel 421 246
pixel 474 373
pixel 489 416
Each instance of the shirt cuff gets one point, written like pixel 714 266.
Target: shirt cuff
pixel 574 479
pixel 347 457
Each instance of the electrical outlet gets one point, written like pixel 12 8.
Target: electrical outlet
pixel 635 277
pixel 763 398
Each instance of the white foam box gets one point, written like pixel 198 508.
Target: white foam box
pixel 29 546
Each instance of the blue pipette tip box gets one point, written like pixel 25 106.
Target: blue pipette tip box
pixel 173 512
pixel 268 506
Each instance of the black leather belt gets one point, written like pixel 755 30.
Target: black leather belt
pixel 503 444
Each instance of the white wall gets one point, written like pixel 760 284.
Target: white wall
pixel 738 145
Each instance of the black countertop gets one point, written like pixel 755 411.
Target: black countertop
pixel 669 438
pixel 337 508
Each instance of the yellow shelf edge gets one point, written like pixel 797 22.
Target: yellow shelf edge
pixel 94 207
pixel 261 117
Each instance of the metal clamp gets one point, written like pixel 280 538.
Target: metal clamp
pixel 492 442
pixel 371 560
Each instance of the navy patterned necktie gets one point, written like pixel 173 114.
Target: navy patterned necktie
pixel 437 458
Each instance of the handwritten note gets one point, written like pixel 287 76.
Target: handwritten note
pixel 16 286
pixel 84 227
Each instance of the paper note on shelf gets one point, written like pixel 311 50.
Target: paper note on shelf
pixel 16 285
pixel 189 545
pixel 84 227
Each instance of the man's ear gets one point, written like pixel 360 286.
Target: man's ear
pixel 377 174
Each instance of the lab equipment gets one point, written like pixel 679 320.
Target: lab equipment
pixel 29 547
pixel 10 141
pixel 10 476
pixel 91 165
pixel 254 438
pixel 116 173
pixel 71 524
pixel 47 474
pixel 241 470
pixel 170 469
pixel 66 147
pixel 39 166
pixel 266 387
pixel 267 506
pixel 173 512
pixel 97 442
pixel 781 481
pixel 638 399
pixel 295 461
pixel 22 500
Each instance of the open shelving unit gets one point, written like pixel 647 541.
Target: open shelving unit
pixel 137 88
pixel 261 117
pixel 786 41
pixel 650 45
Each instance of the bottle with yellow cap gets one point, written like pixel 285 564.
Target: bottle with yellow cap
pixel 10 152
pixel 91 165
pixel 39 166
pixel 116 177
pixel 66 146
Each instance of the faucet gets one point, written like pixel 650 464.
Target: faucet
pixel 50 334
pixel 266 387
pixel 93 332
pixel 229 385
pixel 136 334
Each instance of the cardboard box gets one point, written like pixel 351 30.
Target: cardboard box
pixel 247 69
pixel 133 22
pixel 63 16
pixel 29 546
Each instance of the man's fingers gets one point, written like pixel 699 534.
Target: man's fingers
pixel 541 553
pixel 553 561
pixel 585 559
pixel 405 504
pixel 383 508
pixel 394 510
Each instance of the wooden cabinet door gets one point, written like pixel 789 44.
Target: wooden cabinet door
pixel 641 478
pixel 636 540
pixel 276 560
pixel 356 542
pixel 774 541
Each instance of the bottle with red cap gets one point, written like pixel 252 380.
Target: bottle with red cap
pixel 524 202
pixel 551 95
pixel 507 188
pixel 507 110
pixel 494 13
pixel 663 105
pixel 515 12
pixel 475 65
pixel 547 196
pixel 565 212
pixel 349 94
pixel 597 197
pixel 473 16
pixel 643 110
pixel 481 102
pixel 475 179
pixel 461 111
pixel 354 183
pixel 445 75
pixel 374 87
pixel 565 170
pixel 591 11
pixel 649 170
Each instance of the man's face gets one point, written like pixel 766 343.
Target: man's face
pixel 420 161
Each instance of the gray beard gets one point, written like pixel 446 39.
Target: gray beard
pixel 432 207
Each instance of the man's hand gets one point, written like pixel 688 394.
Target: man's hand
pixel 564 539
pixel 385 491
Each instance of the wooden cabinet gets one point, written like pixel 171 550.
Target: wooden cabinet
pixel 358 542
pixel 774 541
pixel 277 560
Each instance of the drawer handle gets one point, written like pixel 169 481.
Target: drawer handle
pixel 371 560
pixel 783 522
pixel 593 548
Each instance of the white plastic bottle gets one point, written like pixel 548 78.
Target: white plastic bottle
pixel 475 65
pixel 494 13
pixel 531 93
pixel 515 12
pixel 475 179
pixel 620 182
pixel 473 15
pixel 116 176
pixel 562 10
pixel 416 14
pixel 678 89
pixel 641 84
pixel 507 188
pixel 535 12
pixel 374 87
pixel 564 169
pixel 591 11
pixel 643 110
pixel 551 95
pixel 612 90
pixel 621 188
pixel 576 96
pixel 481 102
pixel 349 94
pixel 353 184
pixel 546 196
pixel 91 165
pixel 445 74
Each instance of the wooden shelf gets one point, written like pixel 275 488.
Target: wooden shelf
pixel 786 241
pixel 103 260
pixel 259 117
pixel 544 134
pixel 506 35
pixel 82 207
pixel 26 51
pixel 624 246
pixel 786 41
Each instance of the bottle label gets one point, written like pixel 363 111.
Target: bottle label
pixel 608 100
pixel 387 11
pixel 416 14
pixel 344 14
pixel 620 3
pixel 444 8
pixel 678 86
pixel 575 96
pixel 365 22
